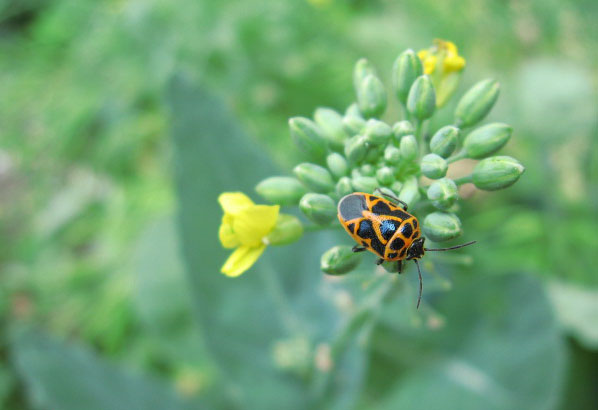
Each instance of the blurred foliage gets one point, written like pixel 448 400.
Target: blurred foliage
pixel 90 251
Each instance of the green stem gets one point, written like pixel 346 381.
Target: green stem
pixel 464 180
pixel 459 155
pixel 419 136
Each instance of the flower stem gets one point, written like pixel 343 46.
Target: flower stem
pixel 459 155
pixel 464 180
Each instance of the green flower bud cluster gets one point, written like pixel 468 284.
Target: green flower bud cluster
pixel 358 151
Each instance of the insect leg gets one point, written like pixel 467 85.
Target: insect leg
pixel 379 261
pixel 394 198
pixel 358 248
pixel 421 287
pixel 400 266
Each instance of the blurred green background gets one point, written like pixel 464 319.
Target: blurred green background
pixel 122 120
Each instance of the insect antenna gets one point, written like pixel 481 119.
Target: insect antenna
pixel 421 286
pixel 451 248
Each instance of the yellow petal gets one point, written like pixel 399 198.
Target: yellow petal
pixel 429 64
pixel 253 223
pixel 241 260
pixel 234 202
pixel 227 236
pixel 453 63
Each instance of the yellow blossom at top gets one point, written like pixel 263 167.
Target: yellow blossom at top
pixel 244 227
pixel 443 64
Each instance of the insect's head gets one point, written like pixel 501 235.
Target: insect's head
pixel 416 250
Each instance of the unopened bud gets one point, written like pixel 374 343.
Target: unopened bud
pixel 476 103
pixel 281 190
pixel 287 230
pixel 337 164
pixel 396 186
pixel 495 173
pixel 433 166
pixel 307 136
pixel 319 208
pixel 385 175
pixel 353 124
pixel 377 132
pixel 314 177
pixel 442 226
pixel 371 97
pixel 367 170
pixel 362 69
pixel 486 140
pixel 443 193
pixel 421 102
pixel 408 147
pixel 410 191
pixel 444 141
pixel 339 260
pixel 392 155
pixel 402 128
pixel 353 110
pixel 331 126
pixel 365 184
pixel 406 69
pixel 344 187
pixel 356 148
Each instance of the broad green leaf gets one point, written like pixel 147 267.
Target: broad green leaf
pixel 64 376
pixel 250 322
pixel 577 311
pixel 496 346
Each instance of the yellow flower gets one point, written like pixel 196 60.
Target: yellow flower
pixel 244 227
pixel 443 64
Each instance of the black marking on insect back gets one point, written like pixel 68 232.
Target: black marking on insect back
pixel 351 227
pixel 366 230
pixel 352 206
pixel 397 244
pixel 407 230
pixel 388 228
pixel 414 223
pixel 382 208
pixel 392 255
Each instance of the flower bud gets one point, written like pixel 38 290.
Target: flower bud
pixel 443 193
pixel 495 173
pixel 444 141
pixel 344 187
pixel 355 173
pixel 374 154
pixel 442 226
pixel 410 191
pixel 486 140
pixel 356 148
pixel 433 166
pixel 371 97
pixel 281 190
pixel 287 230
pixel 314 177
pixel 362 69
pixel 377 132
pixel 396 186
pixel 353 110
pixel 392 154
pixel 408 147
pixel 337 164
pixel 307 136
pixel 476 103
pixel 367 170
pixel 385 175
pixel 421 102
pixel 402 128
pixel 353 124
pixel 331 127
pixel 406 69
pixel 364 184
pixel 319 208
pixel 339 260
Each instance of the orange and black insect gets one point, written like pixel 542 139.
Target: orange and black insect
pixel 386 229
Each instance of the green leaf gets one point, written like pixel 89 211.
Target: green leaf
pixel 277 300
pixel 496 346
pixel 64 376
